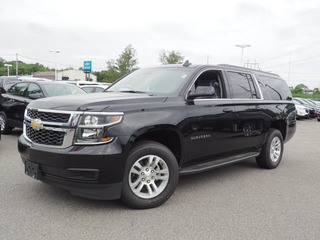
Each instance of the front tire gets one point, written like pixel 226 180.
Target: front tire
pixel 271 154
pixel 150 177
pixel 5 128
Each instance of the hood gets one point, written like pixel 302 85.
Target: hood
pixel 95 102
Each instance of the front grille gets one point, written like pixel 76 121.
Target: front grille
pixel 48 116
pixel 46 137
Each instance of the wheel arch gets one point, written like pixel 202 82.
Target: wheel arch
pixel 281 126
pixel 167 135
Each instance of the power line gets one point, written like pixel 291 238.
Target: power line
pixel 42 60
pixel 293 51
pixel 308 59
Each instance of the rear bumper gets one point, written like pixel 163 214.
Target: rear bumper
pixel 88 171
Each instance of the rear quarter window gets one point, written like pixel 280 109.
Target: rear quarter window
pixel 274 88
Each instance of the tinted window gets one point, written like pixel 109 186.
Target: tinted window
pixel 274 88
pixel 33 89
pixel 241 85
pixel 153 80
pixel 18 89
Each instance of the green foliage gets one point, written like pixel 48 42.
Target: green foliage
pixel 299 93
pixel 2 62
pixel 301 86
pixel 170 57
pixel 24 68
pixel 316 91
pixel 125 64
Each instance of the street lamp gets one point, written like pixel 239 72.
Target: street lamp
pixel 242 46
pixel 55 61
pixel 8 65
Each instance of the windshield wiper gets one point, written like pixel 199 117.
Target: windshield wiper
pixel 134 91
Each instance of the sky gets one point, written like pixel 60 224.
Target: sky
pixel 284 35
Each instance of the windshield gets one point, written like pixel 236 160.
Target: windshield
pixel 62 89
pixel 153 80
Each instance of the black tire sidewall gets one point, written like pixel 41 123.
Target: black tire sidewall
pixel 6 128
pixel 264 159
pixel 150 148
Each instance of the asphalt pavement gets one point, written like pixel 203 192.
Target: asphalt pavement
pixel 240 201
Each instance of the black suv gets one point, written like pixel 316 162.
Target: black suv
pixel 133 141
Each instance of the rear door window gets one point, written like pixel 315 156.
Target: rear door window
pixel 241 85
pixel 33 89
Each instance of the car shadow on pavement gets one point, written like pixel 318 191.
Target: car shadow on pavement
pixel 48 195
pixel 64 199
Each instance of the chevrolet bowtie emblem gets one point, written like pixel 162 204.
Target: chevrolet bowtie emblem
pixel 36 124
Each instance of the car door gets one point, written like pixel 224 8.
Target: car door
pixel 210 125
pixel 15 103
pixel 250 120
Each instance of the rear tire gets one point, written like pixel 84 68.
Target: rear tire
pixel 271 154
pixel 150 177
pixel 5 128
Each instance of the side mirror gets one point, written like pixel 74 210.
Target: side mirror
pixel 202 91
pixel 36 96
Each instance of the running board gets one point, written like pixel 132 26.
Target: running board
pixel 217 163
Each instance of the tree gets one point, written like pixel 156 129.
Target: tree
pixel 316 91
pixel 126 63
pixel 302 86
pixel 170 57
pixel 2 62
pixel 297 91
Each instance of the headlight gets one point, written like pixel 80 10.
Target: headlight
pixel 92 126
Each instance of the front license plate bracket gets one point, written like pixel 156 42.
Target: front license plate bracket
pixel 32 170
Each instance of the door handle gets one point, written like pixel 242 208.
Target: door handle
pixel 228 110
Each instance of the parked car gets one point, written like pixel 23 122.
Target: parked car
pixel 302 111
pixel 94 88
pixel 309 102
pixel 311 108
pixel 19 95
pixel 7 82
pixel 134 140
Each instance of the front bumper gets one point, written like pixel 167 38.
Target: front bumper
pixel 89 171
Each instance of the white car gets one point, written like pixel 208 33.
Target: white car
pixel 302 111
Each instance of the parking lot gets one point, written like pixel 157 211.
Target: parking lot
pixel 240 201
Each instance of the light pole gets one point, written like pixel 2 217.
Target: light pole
pixel 242 46
pixel 55 62
pixel 8 65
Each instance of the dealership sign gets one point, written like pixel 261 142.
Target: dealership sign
pixel 87 66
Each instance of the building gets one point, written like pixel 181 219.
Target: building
pixel 75 75
pixel 47 75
